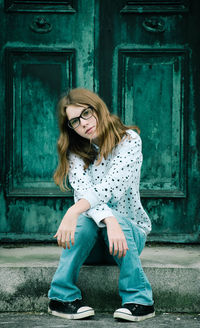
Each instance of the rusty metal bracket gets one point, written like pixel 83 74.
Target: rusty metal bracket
pixel 154 25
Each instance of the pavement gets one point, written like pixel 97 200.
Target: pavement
pixel 101 320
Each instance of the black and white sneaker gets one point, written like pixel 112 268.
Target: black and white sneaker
pixel 134 312
pixel 70 310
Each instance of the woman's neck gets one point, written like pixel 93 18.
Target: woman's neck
pixel 95 142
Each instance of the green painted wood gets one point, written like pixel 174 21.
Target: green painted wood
pixel 163 6
pixel 35 81
pixel 158 110
pixel 46 55
pixel 39 6
pixel 153 82
pixel 143 59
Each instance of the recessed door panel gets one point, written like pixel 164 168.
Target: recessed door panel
pixel 36 79
pixel 151 94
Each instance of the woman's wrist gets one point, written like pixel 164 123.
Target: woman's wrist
pixel 109 220
pixel 79 207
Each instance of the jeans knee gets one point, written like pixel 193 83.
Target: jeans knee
pixel 132 232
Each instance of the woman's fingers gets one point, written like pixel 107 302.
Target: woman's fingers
pixel 58 236
pixel 119 247
pixel 64 238
pixel 111 247
pixel 116 237
pixel 122 248
pixel 125 248
pixel 66 231
pixel 72 237
pixel 116 248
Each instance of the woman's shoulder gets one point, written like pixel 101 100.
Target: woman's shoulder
pixel 130 142
pixel 75 159
pixel 133 134
pixel 131 137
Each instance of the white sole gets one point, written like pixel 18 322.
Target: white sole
pixel 77 316
pixel 129 317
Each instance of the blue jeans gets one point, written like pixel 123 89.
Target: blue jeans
pixel 134 286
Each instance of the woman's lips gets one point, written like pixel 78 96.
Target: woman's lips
pixel 89 130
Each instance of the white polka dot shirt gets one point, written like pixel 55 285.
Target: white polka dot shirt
pixel 113 184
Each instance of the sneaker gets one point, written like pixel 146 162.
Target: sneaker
pixel 135 312
pixel 70 310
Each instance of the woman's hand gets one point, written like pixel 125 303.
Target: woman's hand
pixel 116 237
pixel 66 230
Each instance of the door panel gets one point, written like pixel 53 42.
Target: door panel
pixel 151 89
pixel 34 84
pixel 40 6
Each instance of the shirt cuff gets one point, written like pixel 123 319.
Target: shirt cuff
pixel 91 198
pixel 98 216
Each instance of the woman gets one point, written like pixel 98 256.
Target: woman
pixel 102 159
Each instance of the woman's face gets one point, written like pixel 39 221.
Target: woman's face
pixel 87 127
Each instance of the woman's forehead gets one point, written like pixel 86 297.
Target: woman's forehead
pixel 74 110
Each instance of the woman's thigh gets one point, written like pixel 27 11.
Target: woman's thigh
pixel 86 229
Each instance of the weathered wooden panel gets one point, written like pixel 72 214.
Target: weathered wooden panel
pixel 149 73
pixel 149 6
pixel 136 54
pixel 39 6
pixel 50 50
pixel 32 218
pixel 151 94
pixel 35 81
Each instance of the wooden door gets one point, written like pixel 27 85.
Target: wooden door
pixel 149 75
pixel 47 47
pixel 142 57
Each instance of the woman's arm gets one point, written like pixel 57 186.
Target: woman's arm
pixel 117 241
pixel 77 178
pixel 124 170
pixel 66 230
pixel 80 181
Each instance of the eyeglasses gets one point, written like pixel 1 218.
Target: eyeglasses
pixel 86 114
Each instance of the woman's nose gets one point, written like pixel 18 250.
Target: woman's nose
pixel 83 122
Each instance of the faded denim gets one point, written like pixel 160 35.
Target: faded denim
pixel 134 286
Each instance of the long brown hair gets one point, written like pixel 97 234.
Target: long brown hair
pixel 110 131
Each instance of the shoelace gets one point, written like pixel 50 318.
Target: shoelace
pixel 135 307
pixel 132 307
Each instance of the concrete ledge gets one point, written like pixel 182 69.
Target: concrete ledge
pixel 26 273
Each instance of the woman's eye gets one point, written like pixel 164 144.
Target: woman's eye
pixel 74 122
pixel 86 112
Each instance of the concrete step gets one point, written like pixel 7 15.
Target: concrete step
pixel 173 270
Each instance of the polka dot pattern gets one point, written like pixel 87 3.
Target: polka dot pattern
pixel 112 185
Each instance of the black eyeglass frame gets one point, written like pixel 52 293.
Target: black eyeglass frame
pixel 80 116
